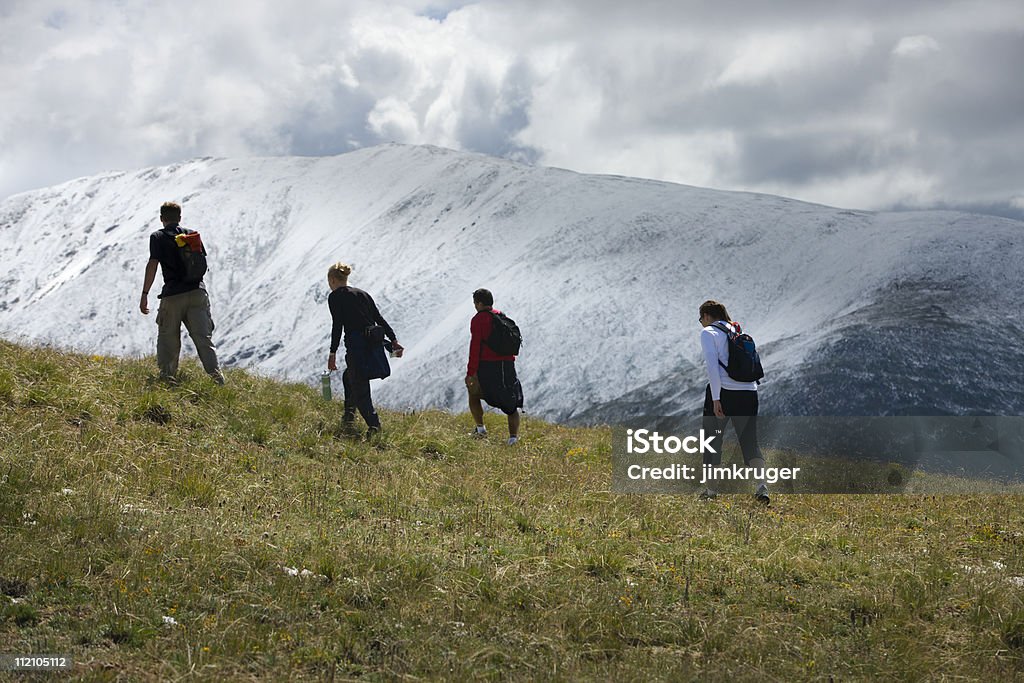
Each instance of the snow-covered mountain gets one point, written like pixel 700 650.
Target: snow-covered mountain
pixel 856 313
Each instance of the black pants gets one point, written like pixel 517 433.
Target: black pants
pixel 741 408
pixel 357 394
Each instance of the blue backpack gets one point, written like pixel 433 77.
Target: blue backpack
pixel 744 362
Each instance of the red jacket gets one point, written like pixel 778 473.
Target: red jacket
pixel 480 329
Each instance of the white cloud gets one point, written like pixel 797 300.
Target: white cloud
pixel 787 53
pixel 915 46
pixel 897 186
pixel 825 103
pixel 394 119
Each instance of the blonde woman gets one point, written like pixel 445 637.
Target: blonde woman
pixel 355 314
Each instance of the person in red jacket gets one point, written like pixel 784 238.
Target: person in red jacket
pixel 490 376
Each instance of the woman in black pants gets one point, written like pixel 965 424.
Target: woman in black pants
pixel 725 398
pixel 352 312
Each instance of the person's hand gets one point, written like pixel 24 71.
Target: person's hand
pixel 471 381
pixel 144 304
pixel 718 409
pixel 332 365
pixel 397 348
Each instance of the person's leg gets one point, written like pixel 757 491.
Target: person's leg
pixel 744 404
pixel 476 409
pixel 513 425
pixel 359 386
pixel 513 391
pixel 168 340
pixel 476 406
pixel 349 416
pixel 199 323
pixel 713 426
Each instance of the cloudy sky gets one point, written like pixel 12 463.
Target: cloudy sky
pixel 866 104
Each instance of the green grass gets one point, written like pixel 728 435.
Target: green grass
pixel 435 556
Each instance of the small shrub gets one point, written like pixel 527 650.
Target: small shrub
pixel 21 614
pixel 197 489
pixel 433 450
pixel 121 632
pixel 1012 631
pixel 604 565
pixel 524 523
pixel 155 413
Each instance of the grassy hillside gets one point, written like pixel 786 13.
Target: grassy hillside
pixel 154 532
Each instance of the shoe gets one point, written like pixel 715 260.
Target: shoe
pixel 348 426
pixel 761 496
pixel 372 433
pixel 512 441
pixel 218 379
pixel 479 433
pixel 708 494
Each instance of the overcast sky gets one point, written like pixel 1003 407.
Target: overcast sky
pixel 867 104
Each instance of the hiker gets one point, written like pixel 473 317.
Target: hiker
pixel 727 399
pixel 491 374
pixel 354 312
pixel 183 298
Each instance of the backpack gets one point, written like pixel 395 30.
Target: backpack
pixel 744 362
pixel 505 339
pixel 192 253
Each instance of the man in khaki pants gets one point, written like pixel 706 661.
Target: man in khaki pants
pixel 183 299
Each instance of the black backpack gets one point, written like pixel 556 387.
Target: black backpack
pixel 744 362
pixel 193 260
pixel 505 339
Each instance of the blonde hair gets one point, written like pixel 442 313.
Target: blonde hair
pixel 339 271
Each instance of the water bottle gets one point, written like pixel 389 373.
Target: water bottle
pixel 325 385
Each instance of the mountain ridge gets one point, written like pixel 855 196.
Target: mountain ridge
pixel 603 273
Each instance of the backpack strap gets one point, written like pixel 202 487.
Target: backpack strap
pixel 177 230
pixel 494 321
pixel 725 329
pixel 728 333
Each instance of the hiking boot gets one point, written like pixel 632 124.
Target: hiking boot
pixel 479 433
pixel 761 495
pixel 512 441
pixel 373 434
pixel 708 494
pixel 218 378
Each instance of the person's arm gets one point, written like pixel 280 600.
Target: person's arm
pixel 146 284
pixel 710 349
pixel 388 332
pixel 338 324
pixel 379 319
pixel 476 338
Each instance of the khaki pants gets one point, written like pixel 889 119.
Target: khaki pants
pixel 193 309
